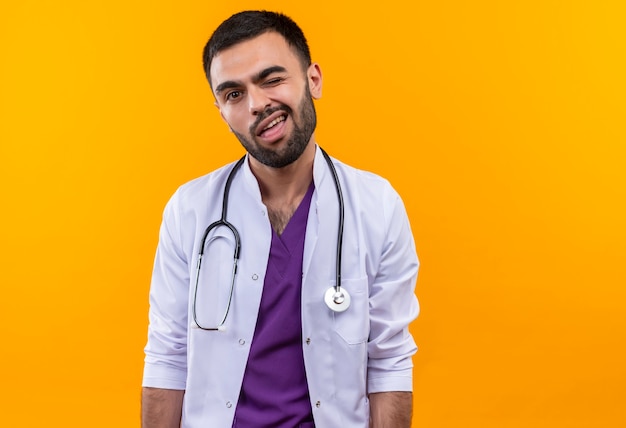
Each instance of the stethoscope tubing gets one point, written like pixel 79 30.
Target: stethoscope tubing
pixel 224 222
pixel 340 226
pixel 221 222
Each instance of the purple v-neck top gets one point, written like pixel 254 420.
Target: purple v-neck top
pixel 274 392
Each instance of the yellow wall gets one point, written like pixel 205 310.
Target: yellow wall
pixel 500 123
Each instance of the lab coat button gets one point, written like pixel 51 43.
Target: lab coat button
pixel 308 340
pixel 242 342
pixel 318 404
pixel 255 276
pixel 229 404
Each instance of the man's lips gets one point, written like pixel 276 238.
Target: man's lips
pixel 271 121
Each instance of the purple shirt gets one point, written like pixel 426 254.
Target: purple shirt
pixel 274 392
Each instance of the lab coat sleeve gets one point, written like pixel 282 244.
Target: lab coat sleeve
pixel 166 350
pixel 393 304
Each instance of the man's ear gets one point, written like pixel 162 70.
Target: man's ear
pixel 314 76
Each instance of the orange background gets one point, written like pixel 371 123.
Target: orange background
pixel 500 123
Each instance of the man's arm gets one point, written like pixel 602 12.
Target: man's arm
pixel 165 369
pixel 393 306
pixel 391 409
pixel 161 408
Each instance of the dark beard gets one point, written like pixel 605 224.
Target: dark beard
pixel 296 144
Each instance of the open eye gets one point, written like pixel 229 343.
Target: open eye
pixel 232 95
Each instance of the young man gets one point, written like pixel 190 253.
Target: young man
pixel 310 327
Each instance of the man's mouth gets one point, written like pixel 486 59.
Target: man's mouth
pixel 273 123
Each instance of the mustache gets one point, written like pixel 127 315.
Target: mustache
pixel 266 113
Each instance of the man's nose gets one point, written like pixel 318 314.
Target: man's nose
pixel 258 101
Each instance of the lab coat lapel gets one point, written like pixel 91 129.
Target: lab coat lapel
pixel 321 235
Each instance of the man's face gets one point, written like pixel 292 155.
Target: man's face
pixel 265 97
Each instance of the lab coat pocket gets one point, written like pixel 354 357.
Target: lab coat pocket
pixel 352 325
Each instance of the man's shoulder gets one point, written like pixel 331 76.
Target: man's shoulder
pixel 204 182
pixel 362 174
pixel 372 194
pixel 193 193
pixel 373 183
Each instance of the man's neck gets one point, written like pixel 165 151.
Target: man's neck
pixel 282 189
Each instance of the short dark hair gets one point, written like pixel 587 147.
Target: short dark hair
pixel 249 24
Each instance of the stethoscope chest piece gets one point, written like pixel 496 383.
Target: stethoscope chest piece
pixel 337 300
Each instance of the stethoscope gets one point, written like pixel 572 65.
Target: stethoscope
pixel 336 298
